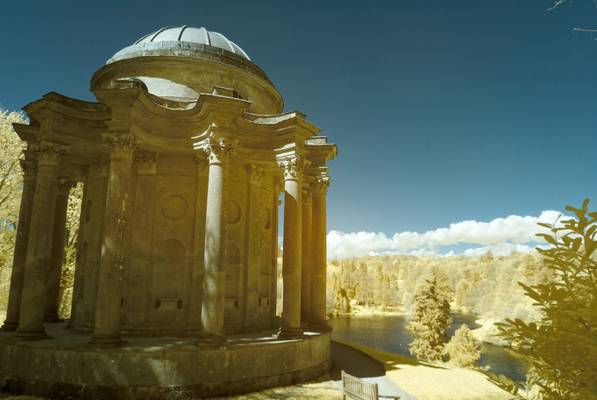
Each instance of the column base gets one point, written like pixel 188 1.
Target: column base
pixel 32 335
pixel 320 326
pixel 107 341
pixel 9 326
pixel 290 333
pixel 51 319
pixel 212 340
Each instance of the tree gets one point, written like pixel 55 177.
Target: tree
pixel 431 317
pixel 11 181
pixel 462 288
pixel 562 346
pixel 67 279
pixel 463 348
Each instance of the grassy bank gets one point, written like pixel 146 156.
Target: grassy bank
pixel 428 381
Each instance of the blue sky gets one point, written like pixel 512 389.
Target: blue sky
pixel 443 111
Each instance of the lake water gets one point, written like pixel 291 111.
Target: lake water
pixel 389 333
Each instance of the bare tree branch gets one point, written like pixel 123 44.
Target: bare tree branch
pixel 584 30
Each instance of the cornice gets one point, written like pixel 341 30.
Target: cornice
pixel 192 112
pixel 26 132
pixel 54 107
pixel 76 104
pixel 318 147
pixel 293 119
pixel 160 66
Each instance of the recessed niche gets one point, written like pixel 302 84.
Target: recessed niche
pixel 232 254
pixel 173 207
pixel 233 213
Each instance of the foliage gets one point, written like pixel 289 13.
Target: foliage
pixel 11 178
pixel 487 286
pixel 463 348
pixel 431 318
pixel 67 280
pixel 11 181
pixel 562 346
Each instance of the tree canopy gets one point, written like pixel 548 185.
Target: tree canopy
pixel 562 345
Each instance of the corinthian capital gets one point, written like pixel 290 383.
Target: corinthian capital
pixel 29 169
pixel 320 184
pixel 217 150
pixel 121 145
pixel 146 162
pixel 49 153
pixel 99 167
pixel 293 167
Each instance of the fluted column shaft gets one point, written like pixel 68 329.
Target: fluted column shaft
pixel 291 256
pixel 20 250
pixel 214 280
pixel 39 245
pixel 319 257
pixel 109 298
pixel 307 267
pixel 57 256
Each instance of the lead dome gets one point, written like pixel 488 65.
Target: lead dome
pixel 181 37
pixel 180 63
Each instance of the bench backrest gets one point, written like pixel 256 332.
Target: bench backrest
pixel 355 388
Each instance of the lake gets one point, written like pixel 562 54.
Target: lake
pixel 389 333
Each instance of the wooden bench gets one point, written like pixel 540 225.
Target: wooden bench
pixel 357 389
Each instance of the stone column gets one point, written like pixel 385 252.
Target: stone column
pixel 57 256
pixel 80 257
pixel 306 269
pixel 194 318
pixel 39 245
pixel 273 291
pixel 20 250
pixel 254 228
pixel 319 256
pixel 214 281
pixel 291 256
pixel 109 298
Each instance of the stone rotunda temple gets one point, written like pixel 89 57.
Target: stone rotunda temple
pixel 183 160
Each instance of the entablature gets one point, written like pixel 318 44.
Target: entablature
pixel 171 127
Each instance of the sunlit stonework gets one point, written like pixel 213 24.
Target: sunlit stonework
pixel 183 159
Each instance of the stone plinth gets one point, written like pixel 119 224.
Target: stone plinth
pixel 158 368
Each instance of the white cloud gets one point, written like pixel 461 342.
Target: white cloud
pixel 502 249
pixel 500 235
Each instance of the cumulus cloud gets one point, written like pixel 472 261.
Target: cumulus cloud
pixel 501 236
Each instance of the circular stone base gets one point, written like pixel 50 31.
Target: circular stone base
pixel 157 368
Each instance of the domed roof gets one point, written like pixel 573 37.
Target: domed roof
pixel 180 63
pixel 180 38
pixel 193 35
